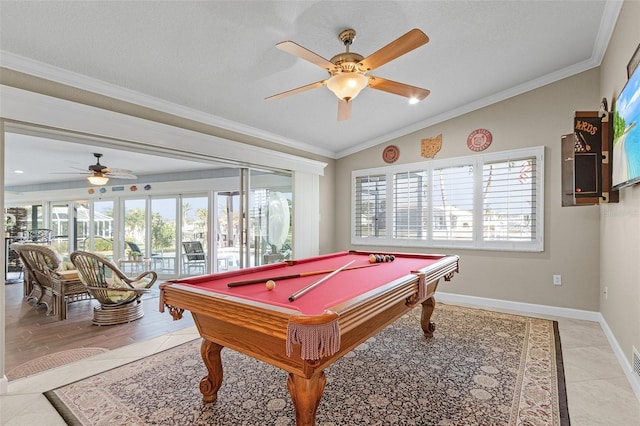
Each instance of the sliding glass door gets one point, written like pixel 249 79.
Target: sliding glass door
pixel 183 235
pixel 60 224
pixel 194 241
pixel 164 228
pixel 269 217
pixel 228 230
pixel 82 225
pixel 135 227
pixel 102 229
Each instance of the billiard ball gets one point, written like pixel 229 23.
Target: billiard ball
pixel 271 284
pixel 372 258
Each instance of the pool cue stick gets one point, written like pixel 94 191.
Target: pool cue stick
pixel 288 277
pixel 302 291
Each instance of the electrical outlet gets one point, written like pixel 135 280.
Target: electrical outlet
pixel 557 280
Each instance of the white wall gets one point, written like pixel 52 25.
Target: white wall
pixel 572 238
pixel 620 223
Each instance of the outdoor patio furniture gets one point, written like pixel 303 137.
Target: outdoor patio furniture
pixel 119 295
pixel 46 281
pixel 39 236
pixel 194 256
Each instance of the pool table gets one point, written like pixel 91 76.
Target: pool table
pixel 323 323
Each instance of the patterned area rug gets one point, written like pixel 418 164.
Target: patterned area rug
pixel 51 361
pixel 480 368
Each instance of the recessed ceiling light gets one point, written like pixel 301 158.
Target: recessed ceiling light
pixel 413 101
pixel 18 172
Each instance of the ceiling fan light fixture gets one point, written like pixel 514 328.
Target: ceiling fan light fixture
pixel 346 86
pixel 97 179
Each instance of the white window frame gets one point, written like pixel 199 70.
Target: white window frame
pixel 477 242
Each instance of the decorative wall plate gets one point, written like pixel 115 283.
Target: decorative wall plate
pixel 390 154
pixel 479 140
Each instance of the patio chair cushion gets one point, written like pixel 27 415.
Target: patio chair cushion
pixel 67 265
pixel 118 296
pixel 64 263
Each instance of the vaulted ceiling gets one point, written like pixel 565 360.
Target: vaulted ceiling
pixel 216 61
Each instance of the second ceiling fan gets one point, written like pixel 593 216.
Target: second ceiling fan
pixel 348 70
pixel 99 174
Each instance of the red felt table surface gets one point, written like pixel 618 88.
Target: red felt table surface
pixel 340 288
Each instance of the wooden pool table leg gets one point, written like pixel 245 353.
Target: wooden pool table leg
pixel 306 394
pixel 425 321
pixel 210 384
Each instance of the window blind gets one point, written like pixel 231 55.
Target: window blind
pixel 491 201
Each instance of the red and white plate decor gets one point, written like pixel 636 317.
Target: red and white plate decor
pixel 390 154
pixel 479 140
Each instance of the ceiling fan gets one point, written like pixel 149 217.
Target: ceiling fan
pixel 100 174
pixel 348 70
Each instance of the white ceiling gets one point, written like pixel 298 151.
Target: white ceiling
pixel 67 160
pixel 215 61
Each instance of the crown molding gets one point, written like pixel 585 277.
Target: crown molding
pixel 608 22
pixel 137 134
pixel 475 105
pixel 607 25
pixel 45 71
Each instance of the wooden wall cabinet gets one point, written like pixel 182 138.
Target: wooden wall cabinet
pixel 586 171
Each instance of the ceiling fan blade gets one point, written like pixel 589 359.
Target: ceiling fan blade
pixel 404 44
pixel 301 52
pixel 121 175
pixel 119 171
pixel 80 169
pixel 70 173
pixel 398 88
pixel 297 90
pixel 344 110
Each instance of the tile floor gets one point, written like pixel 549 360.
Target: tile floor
pixel 598 391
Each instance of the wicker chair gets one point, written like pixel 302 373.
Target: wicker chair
pixel 119 295
pixel 45 282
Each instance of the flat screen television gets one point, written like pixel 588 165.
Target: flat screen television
pixel 626 134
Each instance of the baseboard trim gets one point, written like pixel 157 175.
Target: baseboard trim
pixel 633 379
pixel 4 385
pixel 531 308
pixel 519 306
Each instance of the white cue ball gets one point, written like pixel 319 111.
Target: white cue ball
pixel 271 284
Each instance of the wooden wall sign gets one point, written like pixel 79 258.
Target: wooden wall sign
pixel 431 146
pixel 479 140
